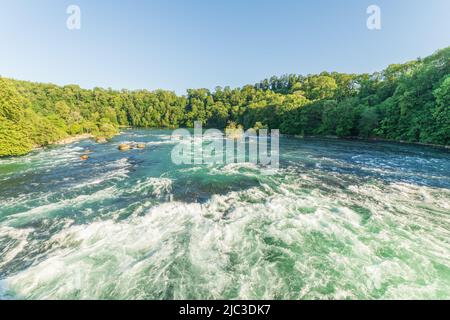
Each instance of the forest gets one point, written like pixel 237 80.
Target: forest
pixel 405 102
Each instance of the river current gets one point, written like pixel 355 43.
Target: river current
pixel 339 220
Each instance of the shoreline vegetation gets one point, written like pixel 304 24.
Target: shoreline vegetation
pixel 81 137
pixel 74 139
pixel 87 136
pixel 407 103
pixel 373 139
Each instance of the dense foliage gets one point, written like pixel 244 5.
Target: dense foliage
pixel 409 102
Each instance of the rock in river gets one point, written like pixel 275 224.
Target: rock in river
pixel 124 147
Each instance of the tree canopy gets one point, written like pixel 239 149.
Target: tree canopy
pixel 409 102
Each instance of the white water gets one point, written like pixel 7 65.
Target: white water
pixel 300 234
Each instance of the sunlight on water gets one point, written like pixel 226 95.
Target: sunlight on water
pixel 339 220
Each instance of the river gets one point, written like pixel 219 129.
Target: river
pixel 339 220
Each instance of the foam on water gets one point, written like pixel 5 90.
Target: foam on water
pixel 13 242
pixel 158 186
pixel 312 230
pixel 234 247
pixel 48 209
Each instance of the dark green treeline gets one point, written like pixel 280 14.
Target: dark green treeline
pixel 409 102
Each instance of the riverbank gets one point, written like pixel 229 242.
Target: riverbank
pixel 87 136
pixel 65 141
pixel 406 142
pixel 73 139
pixel 372 140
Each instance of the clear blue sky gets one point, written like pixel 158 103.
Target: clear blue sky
pixel 180 44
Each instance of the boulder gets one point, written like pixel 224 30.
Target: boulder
pixel 101 140
pixel 124 147
pixel 84 157
pixel 140 146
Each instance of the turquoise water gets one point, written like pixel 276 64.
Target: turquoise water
pixel 339 220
